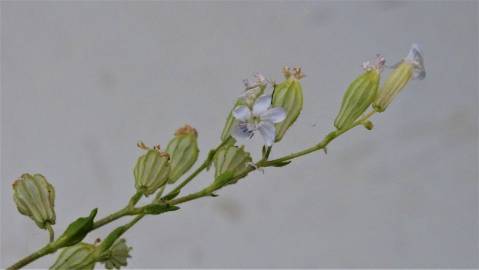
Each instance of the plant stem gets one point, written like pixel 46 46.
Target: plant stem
pixel 51 232
pixel 321 145
pixel 47 249
pixel 188 179
pixel 130 210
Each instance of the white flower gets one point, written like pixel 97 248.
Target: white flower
pixel 415 57
pixel 262 118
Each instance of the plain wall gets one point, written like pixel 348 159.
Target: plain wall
pixel 82 82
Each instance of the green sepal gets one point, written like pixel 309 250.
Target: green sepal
pixel 281 163
pixel 76 257
pixel 76 231
pixel 183 151
pixel 171 195
pixel 156 209
pixel 357 98
pixel 222 180
pixel 289 96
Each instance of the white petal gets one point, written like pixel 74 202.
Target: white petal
pixel 274 115
pixel 241 130
pixel 261 104
pixel 267 130
pixel 242 113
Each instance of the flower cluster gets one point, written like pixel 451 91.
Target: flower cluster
pixel 265 107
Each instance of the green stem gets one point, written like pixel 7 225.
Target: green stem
pixel 188 179
pixel 47 249
pixel 50 232
pixel 321 145
pixel 130 210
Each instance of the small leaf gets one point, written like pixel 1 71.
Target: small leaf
pixel 281 163
pixel 171 195
pixel 156 209
pixel 76 231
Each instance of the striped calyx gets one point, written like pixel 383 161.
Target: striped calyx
pixel 183 151
pixel 151 171
pixel 75 257
pixel 35 197
pixel 358 97
pixel 289 96
pixel 231 160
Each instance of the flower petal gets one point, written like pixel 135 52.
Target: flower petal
pixel 242 113
pixel 415 56
pixel 241 130
pixel 261 104
pixel 268 132
pixel 274 115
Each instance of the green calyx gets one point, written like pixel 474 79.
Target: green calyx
pixel 151 171
pixel 394 83
pixel 289 96
pixel 230 162
pixel 35 197
pixel 358 97
pixel 75 257
pixel 183 151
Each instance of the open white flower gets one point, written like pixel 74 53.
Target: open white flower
pixel 262 118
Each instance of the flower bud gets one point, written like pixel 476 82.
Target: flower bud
pixel 151 171
pixel 35 197
pixel 231 159
pixel 75 257
pixel 359 95
pixel 117 255
pixel 253 90
pixel 412 67
pixel 289 96
pixel 183 151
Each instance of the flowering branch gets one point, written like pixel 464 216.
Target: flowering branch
pixel 270 115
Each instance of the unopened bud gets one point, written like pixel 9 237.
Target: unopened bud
pixel 75 257
pixel 411 67
pixel 151 171
pixel 289 96
pixel 183 151
pixel 35 197
pixel 359 95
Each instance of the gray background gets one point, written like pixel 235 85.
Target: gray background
pixel 82 82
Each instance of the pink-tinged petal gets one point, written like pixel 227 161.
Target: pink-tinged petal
pixel 274 115
pixel 261 104
pixel 268 132
pixel 241 130
pixel 242 113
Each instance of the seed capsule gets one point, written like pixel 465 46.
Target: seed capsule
pixel 151 171
pixel 74 257
pixel 118 255
pixel 289 96
pixel 35 197
pixel 183 151
pixel 411 67
pixel 231 159
pixel 359 95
